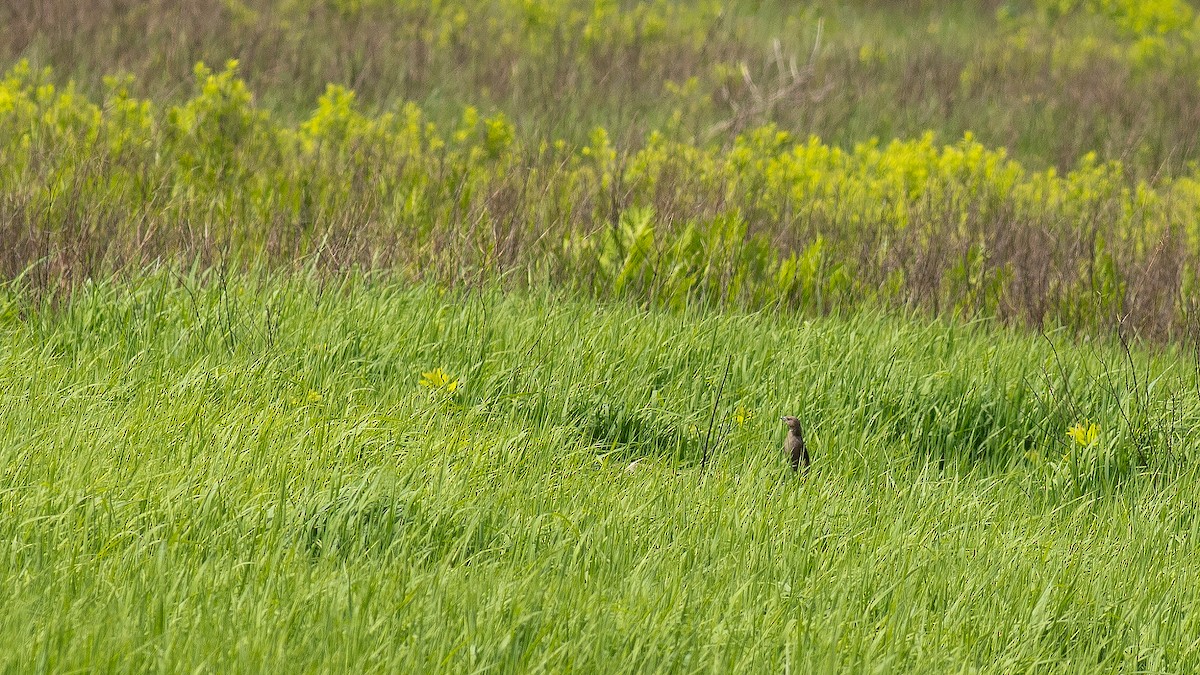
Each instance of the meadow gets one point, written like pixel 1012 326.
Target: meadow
pixel 362 476
pixel 397 336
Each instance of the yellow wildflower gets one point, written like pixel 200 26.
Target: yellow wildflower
pixel 438 380
pixel 1084 433
pixel 742 415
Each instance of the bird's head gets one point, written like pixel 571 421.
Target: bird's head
pixel 791 422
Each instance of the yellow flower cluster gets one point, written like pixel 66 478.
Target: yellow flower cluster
pixel 771 219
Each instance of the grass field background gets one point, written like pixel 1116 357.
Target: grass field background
pixel 391 336
pixel 251 474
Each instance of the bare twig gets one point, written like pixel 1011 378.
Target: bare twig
pixel 791 81
pixel 712 418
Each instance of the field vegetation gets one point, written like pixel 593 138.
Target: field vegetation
pixel 742 203
pixel 348 335
pixel 267 473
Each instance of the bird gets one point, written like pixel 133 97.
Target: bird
pixel 794 445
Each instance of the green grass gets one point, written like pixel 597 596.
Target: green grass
pixel 555 445
pixel 244 474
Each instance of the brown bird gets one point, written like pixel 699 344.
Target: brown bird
pixel 794 445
